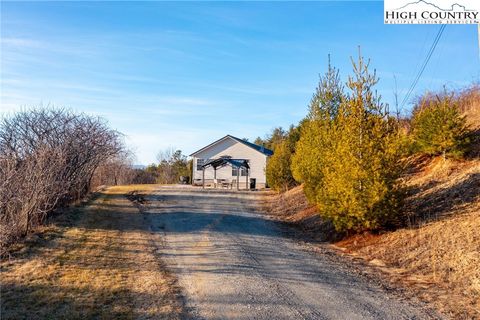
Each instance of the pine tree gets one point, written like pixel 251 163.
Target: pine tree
pixel 361 176
pixel 279 175
pixel 315 132
pixel 438 127
pixel 348 155
pixel 278 170
pixel 328 95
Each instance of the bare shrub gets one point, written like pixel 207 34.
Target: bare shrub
pixel 469 103
pixel 115 171
pixel 48 158
pixel 172 165
pixel 143 176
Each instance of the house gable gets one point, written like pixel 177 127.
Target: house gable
pixel 236 149
pixel 226 141
pixel 217 149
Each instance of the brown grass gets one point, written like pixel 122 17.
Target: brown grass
pixel 438 188
pixel 438 255
pixel 98 261
pixel 293 208
pixel 469 100
pixel 440 261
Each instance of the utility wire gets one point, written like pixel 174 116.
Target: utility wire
pixel 424 65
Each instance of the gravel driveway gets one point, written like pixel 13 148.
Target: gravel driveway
pixel 233 263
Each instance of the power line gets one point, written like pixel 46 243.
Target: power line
pixel 424 65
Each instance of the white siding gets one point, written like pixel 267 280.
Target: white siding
pixel 236 150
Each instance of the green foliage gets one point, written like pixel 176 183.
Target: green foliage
pixel 180 164
pixel 328 95
pixel 315 140
pixel 438 127
pixel 348 153
pixel 278 172
pixel 276 136
pixel 172 165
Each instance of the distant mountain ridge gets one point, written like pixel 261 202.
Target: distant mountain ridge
pixel 434 5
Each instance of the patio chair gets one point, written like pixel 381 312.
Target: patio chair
pixel 225 183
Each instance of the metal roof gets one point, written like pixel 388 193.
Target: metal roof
pixel 258 148
pixel 223 161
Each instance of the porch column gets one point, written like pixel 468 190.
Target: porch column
pixel 238 178
pixel 246 179
pixel 203 177
pixel 215 177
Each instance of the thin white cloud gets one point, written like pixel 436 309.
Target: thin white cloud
pixel 21 43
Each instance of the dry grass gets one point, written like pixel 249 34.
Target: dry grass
pixel 99 261
pixel 440 261
pixel 470 107
pixel 438 256
pixel 469 100
pixel 292 207
pixel 439 188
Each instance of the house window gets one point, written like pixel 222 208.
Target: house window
pixel 243 171
pixel 200 163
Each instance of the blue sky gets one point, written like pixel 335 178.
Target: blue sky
pixel 183 74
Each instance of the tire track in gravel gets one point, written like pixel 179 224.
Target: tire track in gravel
pixel 233 263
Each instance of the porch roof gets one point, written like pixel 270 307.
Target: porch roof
pixel 223 161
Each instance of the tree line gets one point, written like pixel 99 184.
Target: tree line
pixel 348 151
pixel 172 167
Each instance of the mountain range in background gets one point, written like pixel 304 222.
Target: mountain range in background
pixel 452 7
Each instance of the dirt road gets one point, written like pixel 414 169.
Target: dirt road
pixel 233 263
pixel 183 254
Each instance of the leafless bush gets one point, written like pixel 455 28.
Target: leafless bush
pixel 48 158
pixel 467 99
pixel 142 176
pixel 172 164
pixel 115 171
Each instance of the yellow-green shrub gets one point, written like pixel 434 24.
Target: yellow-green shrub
pixel 438 127
pixel 279 175
pixel 348 155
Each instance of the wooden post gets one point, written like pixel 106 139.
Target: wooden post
pixel 246 179
pixel 203 177
pixel 238 178
pixel 194 163
pixel 215 177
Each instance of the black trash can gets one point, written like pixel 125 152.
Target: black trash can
pixel 184 179
pixel 253 183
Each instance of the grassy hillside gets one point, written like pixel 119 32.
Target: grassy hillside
pixel 437 254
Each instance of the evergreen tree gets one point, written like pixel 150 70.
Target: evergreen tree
pixel 278 170
pixel 328 95
pixel 348 153
pixel 360 190
pixel 279 175
pixel 316 132
pixel 438 127
pixel 276 136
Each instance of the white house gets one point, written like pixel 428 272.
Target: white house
pixel 230 161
